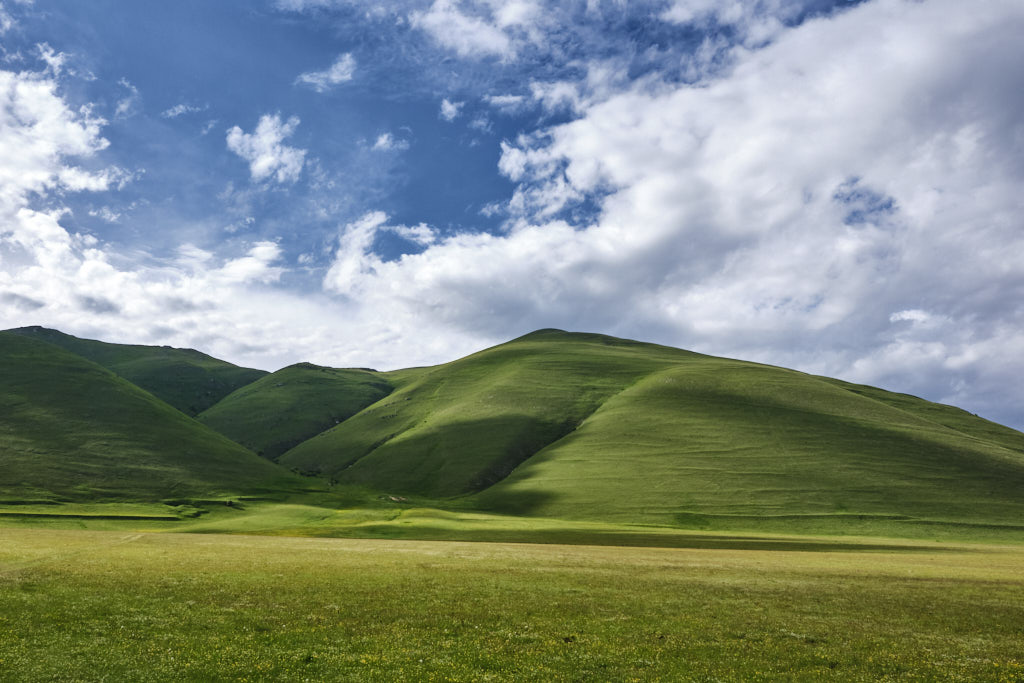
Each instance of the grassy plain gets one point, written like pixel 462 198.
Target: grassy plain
pixel 89 605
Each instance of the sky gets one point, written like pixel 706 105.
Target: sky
pixel 832 186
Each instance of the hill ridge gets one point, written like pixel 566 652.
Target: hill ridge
pixel 187 379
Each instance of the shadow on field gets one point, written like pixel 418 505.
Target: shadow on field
pixel 634 539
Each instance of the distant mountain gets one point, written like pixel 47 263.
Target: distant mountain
pixel 283 409
pixel 187 379
pixel 73 430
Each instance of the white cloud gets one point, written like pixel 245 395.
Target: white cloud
pixel 450 110
pixel 343 69
pixel 54 60
pixel 255 266
pixel 506 104
pixel 263 149
pixel 128 104
pixel 386 142
pixel 466 34
pixel 6 22
pixel 182 109
pixel 355 262
pixel 105 213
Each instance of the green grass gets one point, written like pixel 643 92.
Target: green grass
pixel 185 378
pixel 283 409
pixel 72 430
pixel 586 427
pixel 722 444
pixel 463 426
pixel 553 426
pixel 81 605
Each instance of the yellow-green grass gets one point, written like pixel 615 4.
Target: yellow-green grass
pixel 184 378
pixel 283 409
pixel 72 430
pixel 82 605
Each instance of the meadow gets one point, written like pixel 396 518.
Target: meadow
pixel 124 605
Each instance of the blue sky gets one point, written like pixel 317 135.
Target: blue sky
pixel 827 185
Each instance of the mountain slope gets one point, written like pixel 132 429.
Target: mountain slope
pixel 460 427
pixel 70 429
pixel 719 441
pixel 590 427
pixel 186 379
pixel 284 408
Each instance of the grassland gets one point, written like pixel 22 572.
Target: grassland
pixel 86 605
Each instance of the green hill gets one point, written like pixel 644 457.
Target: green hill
pixel 283 409
pixel 72 430
pixel 463 426
pixel 589 427
pixel 186 379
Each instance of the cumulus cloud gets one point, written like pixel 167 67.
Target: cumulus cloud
pixel 343 69
pixel 268 157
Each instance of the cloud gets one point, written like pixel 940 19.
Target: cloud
pixel 506 104
pixel 467 34
pixel 355 262
pixel 106 213
pixel 6 21
pixel 450 110
pixel 182 109
pixel 343 69
pixel 268 158
pixel 129 104
pixel 255 266
pixel 386 142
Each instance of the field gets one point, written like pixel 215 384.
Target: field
pixel 89 605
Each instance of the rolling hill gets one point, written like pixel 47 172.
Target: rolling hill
pixel 283 409
pixel 73 430
pixel 580 426
pixel 185 378
pixel 559 425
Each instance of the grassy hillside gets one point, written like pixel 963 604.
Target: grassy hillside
pixel 72 430
pixel 588 427
pixel 185 378
pixel 463 426
pixel 283 409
